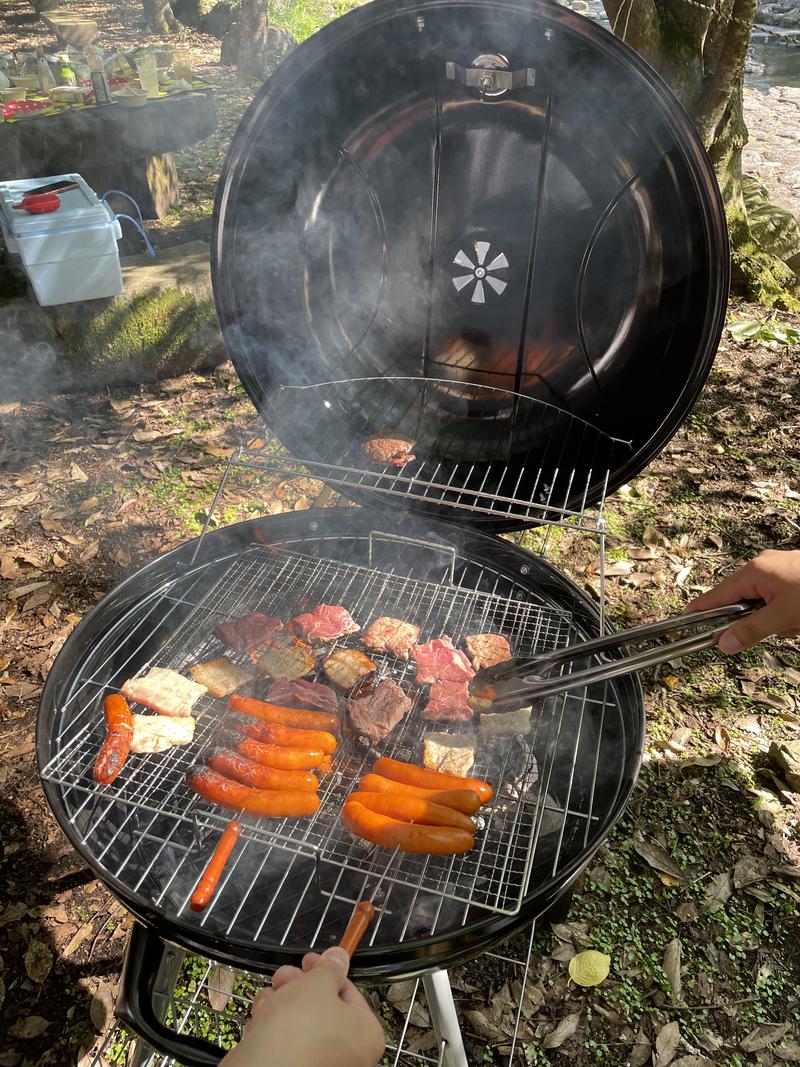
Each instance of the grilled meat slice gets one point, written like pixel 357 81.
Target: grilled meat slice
pixel 440 661
pixel 390 635
pixel 448 702
pixel 165 691
pixel 325 623
pixel 347 666
pixel 220 676
pixel 249 632
pixel 389 447
pixel 157 733
pixel 448 753
pixel 301 693
pixel 485 650
pixel 287 659
pixel 377 714
pixel 503 723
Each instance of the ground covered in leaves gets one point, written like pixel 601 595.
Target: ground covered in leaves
pixel 694 897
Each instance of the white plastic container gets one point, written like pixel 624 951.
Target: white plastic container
pixel 69 254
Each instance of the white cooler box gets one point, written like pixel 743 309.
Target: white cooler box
pixel 69 254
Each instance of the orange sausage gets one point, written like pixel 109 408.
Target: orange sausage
pixel 117 744
pixel 382 830
pixel 248 772
pixel 464 800
pixel 412 809
pixel 302 718
pixel 282 759
pixel 273 733
pixel 272 803
pixel 409 774
pixel 204 890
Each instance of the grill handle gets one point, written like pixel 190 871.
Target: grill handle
pixel 136 1008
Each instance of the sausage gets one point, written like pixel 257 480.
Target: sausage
pixel 412 809
pixel 282 759
pixel 301 718
pixel 464 800
pixel 272 733
pixel 117 744
pixel 409 774
pixel 382 830
pixel 272 803
pixel 325 765
pixel 248 772
pixel 204 890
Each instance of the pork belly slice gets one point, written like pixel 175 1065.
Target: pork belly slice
pixel 347 666
pixel 301 693
pixel 249 632
pixel 390 635
pixel 157 733
pixel 486 650
pixel 448 753
pixel 287 659
pixel 165 691
pixel 377 714
pixel 503 723
pixel 220 676
pixel 325 623
pixel 448 702
pixel 440 661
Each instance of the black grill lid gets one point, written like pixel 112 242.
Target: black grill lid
pixel 494 193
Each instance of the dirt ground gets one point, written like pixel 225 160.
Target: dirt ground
pixel 694 897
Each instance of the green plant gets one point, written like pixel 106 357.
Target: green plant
pixel 766 331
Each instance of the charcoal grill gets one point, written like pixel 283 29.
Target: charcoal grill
pixel 488 226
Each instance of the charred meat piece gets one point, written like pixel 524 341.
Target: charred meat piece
pixel 325 623
pixel 485 650
pixel 220 676
pixel 165 691
pixel 390 635
pixel 503 723
pixel 440 661
pixel 347 666
pixel 301 693
pixel 389 447
pixel 157 733
pixel 448 753
pixel 377 714
pixel 447 702
pixel 287 659
pixel 249 632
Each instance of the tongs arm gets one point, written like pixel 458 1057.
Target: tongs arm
pixel 512 683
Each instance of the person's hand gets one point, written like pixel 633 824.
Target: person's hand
pixel 773 577
pixel 314 1017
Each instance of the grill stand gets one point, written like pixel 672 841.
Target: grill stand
pixel 445 1021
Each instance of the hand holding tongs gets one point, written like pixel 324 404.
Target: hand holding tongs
pixel 517 683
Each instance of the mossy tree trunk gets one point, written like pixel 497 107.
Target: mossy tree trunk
pixel 253 34
pixel 700 48
pixel 159 16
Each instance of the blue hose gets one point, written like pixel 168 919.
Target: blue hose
pixel 139 225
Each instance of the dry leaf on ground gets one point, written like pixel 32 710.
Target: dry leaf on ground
pixel 589 968
pixel 640 1053
pixel 658 858
pixel 220 986
pixel 30 1027
pixel 101 1010
pixel 672 968
pixel 763 1035
pixel 749 869
pixel 667 1041
pixel 788 1051
pixel 693 1061
pixel 565 1030
pixel 38 961
pixel 718 892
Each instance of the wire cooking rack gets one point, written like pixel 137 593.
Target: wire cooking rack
pixel 495 454
pixel 493 875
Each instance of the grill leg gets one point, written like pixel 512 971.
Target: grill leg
pixel 443 1016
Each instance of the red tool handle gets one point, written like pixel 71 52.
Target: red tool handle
pixel 38 203
pixel 205 888
pixel 357 926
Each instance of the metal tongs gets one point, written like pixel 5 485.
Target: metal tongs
pixel 517 683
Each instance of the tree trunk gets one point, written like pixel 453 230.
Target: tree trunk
pixel 159 17
pixel 700 50
pixel 253 27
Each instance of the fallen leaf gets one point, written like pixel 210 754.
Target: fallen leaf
pixel 687 911
pixel 589 968
pixel 702 761
pixel 146 436
pixel 565 1030
pixel 38 961
pixel 763 1035
pixel 749 724
pixel 652 537
pixel 400 994
pixel 722 739
pixel 58 560
pixel 788 1051
pixel 101 1010
pixel 640 1053
pixel 672 968
pixel 667 1041
pixel 220 986
pixel 749 869
pixel 30 1027
pixel 25 590
pixel 693 1061
pixel 90 551
pixel 657 858
pixel 82 934
pixel 21 501
pixel 718 893
pixel 8 567
pixel 77 474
